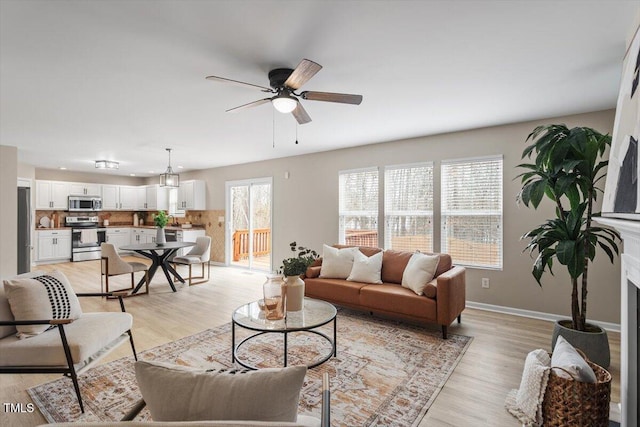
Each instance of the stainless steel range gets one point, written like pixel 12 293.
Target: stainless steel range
pixel 86 237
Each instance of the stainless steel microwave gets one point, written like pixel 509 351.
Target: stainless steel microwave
pixel 85 203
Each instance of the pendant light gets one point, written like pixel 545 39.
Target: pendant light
pixel 168 178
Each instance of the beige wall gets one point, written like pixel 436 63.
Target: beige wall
pixel 305 209
pixel 99 178
pixel 8 210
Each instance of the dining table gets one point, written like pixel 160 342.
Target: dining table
pixel 160 255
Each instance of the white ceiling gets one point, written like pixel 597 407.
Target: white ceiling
pixel 87 80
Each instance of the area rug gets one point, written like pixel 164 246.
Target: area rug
pixel 386 373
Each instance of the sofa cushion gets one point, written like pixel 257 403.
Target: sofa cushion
pixel 179 393
pixel 420 270
pixel 337 263
pixel 46 349
pixel 43 297
pixel 393 265
pixel 366 269
pixel 312 272
pixel 5 308
pixel 393 298
pixel 338 290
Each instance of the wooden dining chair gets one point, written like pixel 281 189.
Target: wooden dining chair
pixel 113 265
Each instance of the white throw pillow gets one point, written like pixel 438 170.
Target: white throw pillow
pixel 565 356
pixel 419 271
pixel 45 297
pixel 179 393
pixel 366 269
pixel 337 263
pixel 5 308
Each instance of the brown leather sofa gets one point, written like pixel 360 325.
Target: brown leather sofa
pixel 442 302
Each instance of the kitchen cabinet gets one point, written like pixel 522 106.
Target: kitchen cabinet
pixel 119 237
pixel 53 245
pixel 119 197
pixel 143 235
pixel 52 195
pixel 191 195
pixel 152 198
pixel 84 189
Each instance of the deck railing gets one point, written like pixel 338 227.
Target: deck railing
pixel 361 238
pixel 261 243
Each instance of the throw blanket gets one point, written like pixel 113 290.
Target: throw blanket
pixel 525 403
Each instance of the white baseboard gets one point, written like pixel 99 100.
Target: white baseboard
pixel 613 327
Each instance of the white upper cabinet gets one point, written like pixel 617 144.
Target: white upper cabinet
pixel 52 194
pixel 119 197
pixel 110 197
pixel 128 198
pixel 83 189
pixel 191 195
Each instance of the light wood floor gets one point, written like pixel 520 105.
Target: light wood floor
pixel 473 396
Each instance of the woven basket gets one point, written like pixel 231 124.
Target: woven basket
pixel 568 402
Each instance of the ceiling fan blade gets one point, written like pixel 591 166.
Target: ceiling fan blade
pixel 239 83
pixel 249 105
pixel 343 98
pixel 301 114
pixel 303 72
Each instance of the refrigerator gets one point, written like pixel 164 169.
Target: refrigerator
pixel 24 230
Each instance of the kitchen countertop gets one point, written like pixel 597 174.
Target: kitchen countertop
pixel 150 227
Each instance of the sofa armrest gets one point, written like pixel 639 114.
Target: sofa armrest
pixel 53 322
pixel 118 294
pixel 451 297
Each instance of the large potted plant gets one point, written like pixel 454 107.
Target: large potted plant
pixel 293 268
pixel 568 169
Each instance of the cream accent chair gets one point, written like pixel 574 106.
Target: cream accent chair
pixel 199 254
pixel 70 347
pixel 112 265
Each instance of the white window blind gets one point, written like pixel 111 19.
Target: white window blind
pixel 408 207
pixel 358 207
pixel 472 211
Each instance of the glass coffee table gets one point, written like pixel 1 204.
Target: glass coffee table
pixel 315 314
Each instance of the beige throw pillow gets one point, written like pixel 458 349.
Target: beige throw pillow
pixel 419 271
pixel 566 356
pixel 179 393
pixel 366 269
pixel 45 297
pixel 337 263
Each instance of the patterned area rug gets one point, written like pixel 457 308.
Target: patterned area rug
pixel 385 374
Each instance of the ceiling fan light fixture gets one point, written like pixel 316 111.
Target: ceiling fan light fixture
pixel 284 103
pixel 168 178
pixel 107 164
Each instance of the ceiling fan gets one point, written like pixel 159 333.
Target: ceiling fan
pixel 284 82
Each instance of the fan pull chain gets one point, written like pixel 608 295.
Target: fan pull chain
pixel 273 126
pixel 296 133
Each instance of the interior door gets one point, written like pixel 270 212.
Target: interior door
pixel 249 224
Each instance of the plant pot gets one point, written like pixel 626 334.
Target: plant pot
pixel 295 293
pixel 161 239
pixel 594 343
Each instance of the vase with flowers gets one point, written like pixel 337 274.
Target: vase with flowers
pixel 293 268
pixel 161 219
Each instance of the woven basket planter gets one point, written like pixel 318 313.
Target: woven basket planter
pixel 573 403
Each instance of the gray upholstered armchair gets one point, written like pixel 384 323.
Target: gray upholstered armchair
pixel 199 254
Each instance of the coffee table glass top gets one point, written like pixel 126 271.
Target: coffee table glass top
pixel 314 314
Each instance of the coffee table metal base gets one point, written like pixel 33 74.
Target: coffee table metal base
pixel 235 348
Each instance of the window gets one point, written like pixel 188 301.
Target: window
pixel 358 207
pixel 408 207
pixel 472 211
pixel 173 204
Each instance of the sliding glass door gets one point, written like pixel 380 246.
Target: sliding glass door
pixel 249 223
